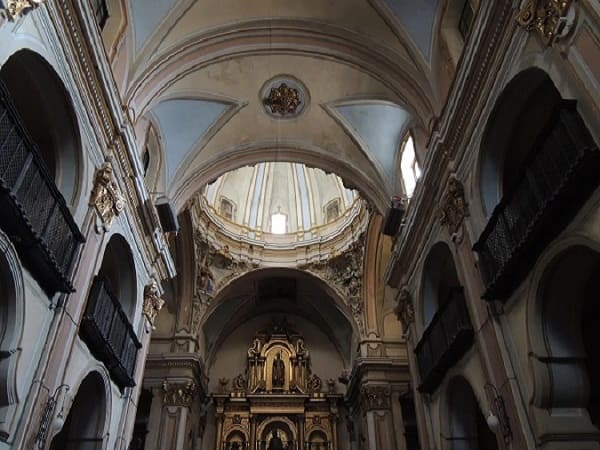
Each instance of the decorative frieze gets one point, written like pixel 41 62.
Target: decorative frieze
pixel 547 17
pixel 106 196
pixel 454 208
pixel 404 308
pixel 14 8
pixel 152 302
pixel 179 394
pixel 376 397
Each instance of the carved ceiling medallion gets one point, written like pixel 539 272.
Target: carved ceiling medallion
pixel 283 97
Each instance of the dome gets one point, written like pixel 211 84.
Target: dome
pixel 281 202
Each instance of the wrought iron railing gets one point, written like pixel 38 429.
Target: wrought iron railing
pixel 446 339
pixel 33 212
pixel 109 335
pixel 559 175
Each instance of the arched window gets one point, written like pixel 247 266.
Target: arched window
pixel 146 160
pixel 465 22
pixel 100 12
pixel 409 167
pixel 332 210
pixel 226 208
pixel 278 223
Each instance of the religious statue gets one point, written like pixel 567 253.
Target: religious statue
pixel 278 372
pixel 276 443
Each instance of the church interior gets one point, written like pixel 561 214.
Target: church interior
pixel 299 225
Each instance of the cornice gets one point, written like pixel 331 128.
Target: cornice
pixel 77 28
pixel 483 55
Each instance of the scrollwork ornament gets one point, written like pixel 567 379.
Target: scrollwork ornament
pixel 152 302
pixel 544 17
pixel 106 196
pixel 15 8
pixel 404 308
pixel 454 207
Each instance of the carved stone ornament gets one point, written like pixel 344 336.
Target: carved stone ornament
pixel 106 197
pixel 179 394
pixel 283 100
pixel 240 383
pixel 152 302
pixel 545 17
pixel 223 384
pixel 404 308
pixel 14 8
pixel 376 397
pixel 315 384
pixel 453 209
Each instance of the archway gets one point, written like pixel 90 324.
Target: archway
pixel 118 270
pixel 45 107
pixel 440 281
pixel 524 108
pixel 568 346
pixel 467 425
pixel 85 423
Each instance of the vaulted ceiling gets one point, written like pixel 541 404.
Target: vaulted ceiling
pixel 195 71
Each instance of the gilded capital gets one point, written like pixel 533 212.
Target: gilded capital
pixel 152 302
pixel 15 8
pixel 106 197
pixel 453 209
pixel 179 394
pixel 546 17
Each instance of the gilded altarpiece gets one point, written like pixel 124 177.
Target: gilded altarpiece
pixel 278 403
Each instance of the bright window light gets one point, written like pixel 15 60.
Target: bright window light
pixel 278 223
pixel 410 167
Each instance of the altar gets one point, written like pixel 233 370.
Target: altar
pixel 278 403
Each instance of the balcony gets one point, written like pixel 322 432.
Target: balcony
pixel 34 213
pixel 561 173
pixel 446 339
pixel 109 335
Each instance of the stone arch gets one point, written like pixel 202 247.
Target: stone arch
pixel 118 269
pixel 563 340
pixel 520 113
pixel 11 328
pixel 440 281
pixel 50 120
pixel 466 427
pixel 87 422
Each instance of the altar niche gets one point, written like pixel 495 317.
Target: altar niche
pixel 277 403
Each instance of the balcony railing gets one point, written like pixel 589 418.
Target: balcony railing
pixel 110 337
pixel 560 174
pixel 33 212
pixel 446 339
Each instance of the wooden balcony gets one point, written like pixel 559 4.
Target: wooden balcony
pixel 560 174
pixel 107 332
pixel 447 338
pixel 34 213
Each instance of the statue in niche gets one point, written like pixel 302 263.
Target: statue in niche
pixel 276 443
pixel 278 372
